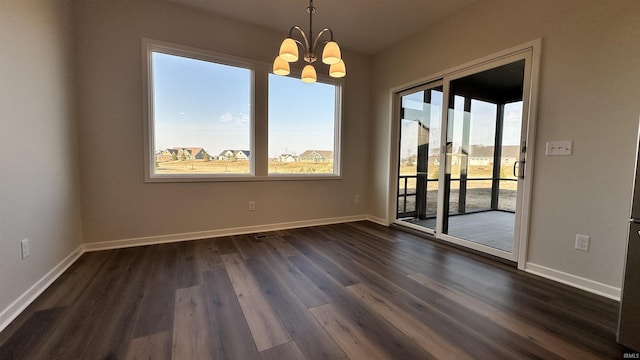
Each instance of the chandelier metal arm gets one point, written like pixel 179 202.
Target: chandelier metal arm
pixel 306 46
pixel 310 48
pixel 322 32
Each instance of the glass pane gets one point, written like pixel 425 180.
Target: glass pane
pixel 201 116
pixel 509 155
pixel 481 153
pixel 419 156
pixel 483 137
pixel 507 199
pixel 302 126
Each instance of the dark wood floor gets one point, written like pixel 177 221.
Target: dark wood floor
pixel 347 291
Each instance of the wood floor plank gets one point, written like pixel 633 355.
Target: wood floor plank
pixel 459 325
pixel 376 232
pixel 288 351
pixel 348 335
pixel 230 334
pixel 187 274
pixel 312 340
pixel 572 324
pixel 265 325
pixel 383 252
pixel 80 273
pixel 226 246
pixel 299 284
pixel 207 255
pixel 246 245
pixel 418 302
pixel 322 243
pixel 150 347
pixel 60 294
pixel 156 310
pixel 282 246
pixel 422 334
pixel 191 331
pixel 539 335
pixel 375 327
pixel 28 342
pixel 116 324
pixel 72 333
pixel 344 277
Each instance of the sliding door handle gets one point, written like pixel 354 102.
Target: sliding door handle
pixel 519 173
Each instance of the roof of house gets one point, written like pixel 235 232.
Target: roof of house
pixel 323 153
pixel 194 150
pixel 234 152
pixel 487 151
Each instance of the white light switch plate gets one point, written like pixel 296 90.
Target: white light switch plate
pixel 559 148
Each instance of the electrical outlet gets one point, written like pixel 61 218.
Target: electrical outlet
pixel 582 242
pixel 24 246
pixel 252 205
pixel 356 198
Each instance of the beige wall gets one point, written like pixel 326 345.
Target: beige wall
pixel 117 204
pixel 39 182
pixel 589 93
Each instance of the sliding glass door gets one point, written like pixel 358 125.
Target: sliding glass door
pixel 419 160
pixel 460 172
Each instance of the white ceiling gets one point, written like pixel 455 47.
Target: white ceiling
pixel 365 26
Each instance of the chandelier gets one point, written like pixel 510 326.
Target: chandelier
pixel 289 52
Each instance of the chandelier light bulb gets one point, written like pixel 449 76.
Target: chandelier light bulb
pixel 338 70
pixel 281 67
pixel 309 74
pixel 289 50
pixel 331 53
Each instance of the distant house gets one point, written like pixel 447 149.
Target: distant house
pixel 483 155
pixel 196 153
pixel 234 155
pixel 169 155
pixel 163 155
pixel 180 153
pixel 317 156
pixel 287 158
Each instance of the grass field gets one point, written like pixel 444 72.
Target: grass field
pixel 239 167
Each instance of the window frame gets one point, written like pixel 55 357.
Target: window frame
pixel 151 46
pixel 258 123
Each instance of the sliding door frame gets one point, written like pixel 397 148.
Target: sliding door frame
pixel 529 51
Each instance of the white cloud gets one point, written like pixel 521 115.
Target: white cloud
pixel 240 118
pixel 226 117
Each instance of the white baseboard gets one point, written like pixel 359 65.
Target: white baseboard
pixel 377 220
pixel 575 281
pixel 162 239
pixel 12 311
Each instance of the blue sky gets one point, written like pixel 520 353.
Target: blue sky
pixel 203 104
pixel 301 115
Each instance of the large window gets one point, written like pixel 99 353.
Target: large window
pixel 201 116
pixel 303 120
pixel 200 119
